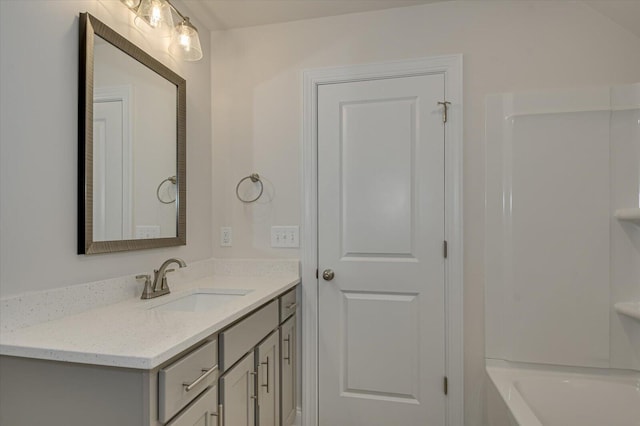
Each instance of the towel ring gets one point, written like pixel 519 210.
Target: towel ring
pixel 254 178
pixel 171 179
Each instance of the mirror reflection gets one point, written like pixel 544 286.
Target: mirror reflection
pixel 134 147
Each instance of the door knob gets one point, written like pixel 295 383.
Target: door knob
pixel 328 274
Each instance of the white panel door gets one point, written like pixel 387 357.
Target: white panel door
pixel 381 231
pixel 107 171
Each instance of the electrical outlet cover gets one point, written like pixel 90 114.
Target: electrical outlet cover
pixel 145 232
pixel 226 237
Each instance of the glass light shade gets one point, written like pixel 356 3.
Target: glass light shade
pixel 185 43
pixel 131 4
pixel 155 15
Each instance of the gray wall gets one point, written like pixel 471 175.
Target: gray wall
pixel 38 147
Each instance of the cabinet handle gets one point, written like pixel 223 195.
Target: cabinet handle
pixel 291 306
pixel 267 364
pixel 196 382
pixel 255 375
pixel 217 415
pixel 220 415
pixel 288 357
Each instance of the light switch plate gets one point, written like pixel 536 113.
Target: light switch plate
pixel 285 236
pixel 226 236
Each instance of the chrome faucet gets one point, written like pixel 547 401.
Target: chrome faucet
pixel 159 286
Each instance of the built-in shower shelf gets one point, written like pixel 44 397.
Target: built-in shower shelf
pixel 631 309
pixel 629 215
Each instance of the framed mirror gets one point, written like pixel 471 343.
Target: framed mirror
pixel 131 146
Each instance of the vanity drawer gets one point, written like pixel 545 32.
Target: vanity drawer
pixel 198 368
pixel 241 337
pixel 288 304
pixel 201 411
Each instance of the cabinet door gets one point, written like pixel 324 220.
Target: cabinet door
pixel 268 368
pixel 288 360
pixel 238 394
pixel 203 411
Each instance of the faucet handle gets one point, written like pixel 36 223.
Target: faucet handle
pixel 163 284
pixel 147 285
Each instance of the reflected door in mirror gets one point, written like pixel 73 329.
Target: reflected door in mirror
pixel 134 136
pixel 112 210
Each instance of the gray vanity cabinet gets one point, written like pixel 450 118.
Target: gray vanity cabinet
pixel 288 357
pixel 268 383
pixel 250 390
pixel 288 362
pixel 180 382
pixel 242 381
pixel 260 389
pixel 52 393
pixel 238 394
pixel 242 376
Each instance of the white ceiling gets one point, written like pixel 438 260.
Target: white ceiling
pixel 225 14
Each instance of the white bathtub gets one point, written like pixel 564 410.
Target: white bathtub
pixel 558 396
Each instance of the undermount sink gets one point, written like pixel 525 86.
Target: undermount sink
pixel 202 300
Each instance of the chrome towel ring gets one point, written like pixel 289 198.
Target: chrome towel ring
pixel 173 180
pixel 254 177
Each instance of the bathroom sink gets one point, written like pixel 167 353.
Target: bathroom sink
pixel 202 300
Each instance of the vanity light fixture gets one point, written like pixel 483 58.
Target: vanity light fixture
pixel 131 4
pixel 185 43
pixel 157 16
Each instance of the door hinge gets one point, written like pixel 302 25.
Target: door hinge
pixel 445 249
pixel 446 385
pixel 317 274
pixel 445 111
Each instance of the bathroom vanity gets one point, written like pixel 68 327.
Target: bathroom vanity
pixel 189 358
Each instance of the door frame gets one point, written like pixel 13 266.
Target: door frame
pixel 451 67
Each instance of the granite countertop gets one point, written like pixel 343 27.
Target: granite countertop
pixel 130 334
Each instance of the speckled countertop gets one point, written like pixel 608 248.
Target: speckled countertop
pixel 131 334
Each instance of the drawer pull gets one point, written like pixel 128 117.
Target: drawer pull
pixel 288 357
pixel 291 306
pixel 204 375
pixel 267 385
